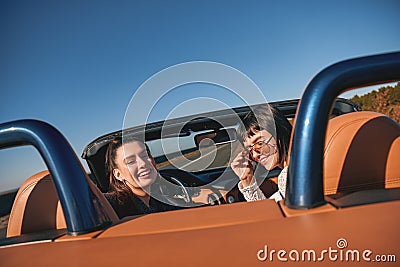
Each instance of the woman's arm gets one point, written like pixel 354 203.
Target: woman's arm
pixel 251 192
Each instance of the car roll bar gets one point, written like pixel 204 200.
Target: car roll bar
pixel 305 173
pixel 82 209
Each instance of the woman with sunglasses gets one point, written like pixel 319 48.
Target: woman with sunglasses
pixel 265 136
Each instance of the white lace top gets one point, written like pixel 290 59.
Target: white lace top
pixel 253 192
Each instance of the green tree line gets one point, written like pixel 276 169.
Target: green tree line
pixel 386 100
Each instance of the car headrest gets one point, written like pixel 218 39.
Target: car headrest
pixel 37 206
pixel 362 151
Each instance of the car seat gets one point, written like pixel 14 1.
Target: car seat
pixel 362 151
pixel 37 207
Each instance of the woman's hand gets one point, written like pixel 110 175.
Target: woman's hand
pixel 243 168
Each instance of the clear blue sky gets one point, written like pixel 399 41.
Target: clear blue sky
pixel 76 64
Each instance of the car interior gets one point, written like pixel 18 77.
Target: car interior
pixel 362 151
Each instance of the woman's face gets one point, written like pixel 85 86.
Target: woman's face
pixel 135 166
pixel 263 149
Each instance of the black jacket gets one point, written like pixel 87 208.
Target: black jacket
pixel 135 206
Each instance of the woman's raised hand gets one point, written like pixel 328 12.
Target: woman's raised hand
pixel 243 168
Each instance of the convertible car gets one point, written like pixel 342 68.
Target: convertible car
pixel 342 193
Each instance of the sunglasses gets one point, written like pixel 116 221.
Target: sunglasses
pixel 262 146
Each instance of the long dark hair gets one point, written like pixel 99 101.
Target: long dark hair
pixel 117 187
pixel 260 119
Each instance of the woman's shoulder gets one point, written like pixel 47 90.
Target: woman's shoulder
pixel 122 208
pixel 111 197
pixel 113 200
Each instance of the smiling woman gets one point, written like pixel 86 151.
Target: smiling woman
pixel 265 135
pixel 132 173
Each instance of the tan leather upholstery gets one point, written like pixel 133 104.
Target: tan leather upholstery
pixel 362 151
pixel 37 207
pixel 393 165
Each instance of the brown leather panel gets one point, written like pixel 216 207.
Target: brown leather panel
pixel 226 244
pixel 356 152
pixel 291 121
pixel 37 207
pixel 292 212
pixel 60 219
pixel 41 207
pixel 17 212
pixel 198 218
pixel 393 166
